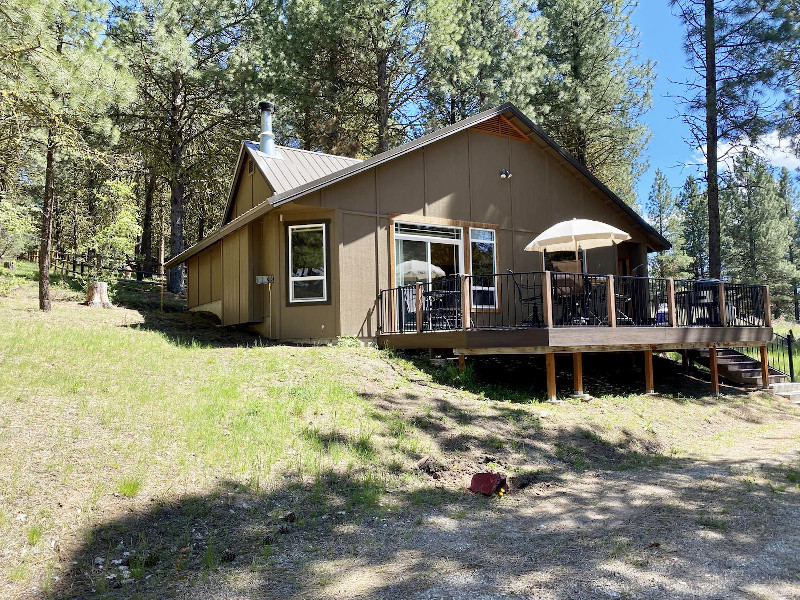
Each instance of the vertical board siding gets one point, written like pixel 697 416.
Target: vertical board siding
pixel 192 285
pixel 216 272
pixel 358 265
pixel 204 276
pixel 230 279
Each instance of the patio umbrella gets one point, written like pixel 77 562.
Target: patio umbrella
pixel 418 269
pixel 577 233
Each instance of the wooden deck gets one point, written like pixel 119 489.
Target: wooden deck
pixel 578 339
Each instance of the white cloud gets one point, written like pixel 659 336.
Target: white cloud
pixel 776 151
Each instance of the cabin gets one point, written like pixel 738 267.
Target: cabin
pixel 423 247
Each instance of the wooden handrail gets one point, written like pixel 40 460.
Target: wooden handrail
pixel 672 314
pixel 419 306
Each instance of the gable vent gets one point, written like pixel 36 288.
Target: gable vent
pixel 250 166
pixel 501 126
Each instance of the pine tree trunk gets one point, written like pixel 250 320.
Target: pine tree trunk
pixel 714 258
pixel 146 268
pixel 47 222
pixel 383 105
pixel 176 185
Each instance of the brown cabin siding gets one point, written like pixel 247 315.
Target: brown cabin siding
pixel 456 178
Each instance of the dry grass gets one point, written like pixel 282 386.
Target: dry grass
pixel 125 439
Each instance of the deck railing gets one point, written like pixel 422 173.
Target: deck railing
pixel 553 299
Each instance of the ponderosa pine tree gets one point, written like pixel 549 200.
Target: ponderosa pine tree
pixel 756 232
pixel 732 47
pixel 195 94
pixel 661 210
pixel 693 206
pixel 788 197
pixel 65 86
pixel 494 54
pixel 597 88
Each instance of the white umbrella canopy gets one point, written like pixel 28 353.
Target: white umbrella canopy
pixel 571 235
pixel 418 269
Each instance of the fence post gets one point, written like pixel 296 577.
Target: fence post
pixel 466 304
pixel 611 301
pixel 723 314
pixel 790 347
pixel 418 297
pixel 547 299
pixel 671 313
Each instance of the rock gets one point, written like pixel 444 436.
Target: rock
pixel 431 466
pixel 99 561
pixel 288 517
pixel 523 480
pixel 227 556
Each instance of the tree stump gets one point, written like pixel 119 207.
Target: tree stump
pixel 9 264
pixel 97 295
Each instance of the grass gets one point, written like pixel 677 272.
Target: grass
pixel 208 431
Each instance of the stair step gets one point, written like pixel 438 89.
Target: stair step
pixel 786 387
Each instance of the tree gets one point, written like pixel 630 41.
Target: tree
pixel 494 53
pixel 788 198
pixel 664 217
pixel 195 95
pixel 597 88
pixel 693 206
pixel 732 48
pixel 64 86
pixel 17 226
pixel 756 231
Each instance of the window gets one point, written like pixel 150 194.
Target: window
pixel 426 252
pixel 484 262
pixel 308 263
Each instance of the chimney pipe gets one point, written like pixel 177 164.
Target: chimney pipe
pixel 266 139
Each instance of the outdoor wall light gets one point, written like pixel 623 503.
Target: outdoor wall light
pixel 505 174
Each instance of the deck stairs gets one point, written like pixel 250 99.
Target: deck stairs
pixel 787 390
pixel 740 368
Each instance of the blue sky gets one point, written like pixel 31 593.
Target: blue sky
pixel 661 36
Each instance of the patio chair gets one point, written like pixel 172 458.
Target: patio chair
pixel 530 300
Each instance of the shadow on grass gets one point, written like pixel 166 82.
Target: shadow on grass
pixel 522 378
pixel 350 536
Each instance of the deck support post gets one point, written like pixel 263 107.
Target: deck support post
pixel 550 364
pixel 764 368
pixel 712 364
pixel 649 388
pixel 685 360
pixel 577 374
pixel 462 363
pixel 419 307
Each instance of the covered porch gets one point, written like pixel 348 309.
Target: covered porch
pixel 544 312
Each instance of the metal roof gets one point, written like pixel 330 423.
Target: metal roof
pixel 508 109
pixel 296 167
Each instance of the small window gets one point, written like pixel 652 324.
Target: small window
pixel 307 263
pixel 484 266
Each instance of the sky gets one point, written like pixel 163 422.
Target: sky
pixel 661 37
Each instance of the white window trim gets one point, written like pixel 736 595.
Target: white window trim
pixel 431 239
pixel 323 277
pixel 493 288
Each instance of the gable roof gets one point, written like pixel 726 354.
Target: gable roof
pixel 507 110
pixel 292 169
